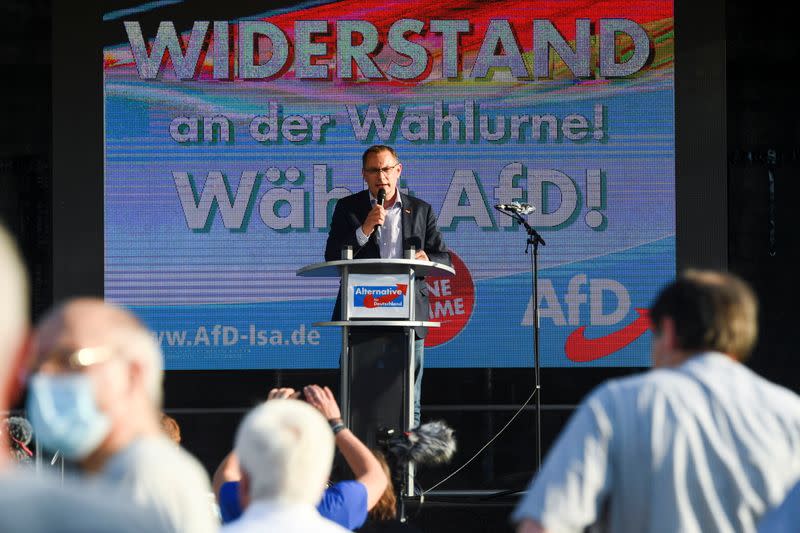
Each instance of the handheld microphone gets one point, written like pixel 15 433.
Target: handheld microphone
pixel 516 207
pixel 428 444
pixel 380 199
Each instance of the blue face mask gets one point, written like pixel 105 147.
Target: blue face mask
pixel 65 416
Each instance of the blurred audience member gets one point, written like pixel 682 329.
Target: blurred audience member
pixel 345 502
pixel 96 397
pixel 285 450
pixel 172 431
pixel 171 428
pixel 36 505
pixel 700 443
pixel 383 517
pixel 386 508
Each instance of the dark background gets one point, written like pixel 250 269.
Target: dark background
pixel 735 108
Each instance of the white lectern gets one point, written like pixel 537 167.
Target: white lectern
pixel 377 321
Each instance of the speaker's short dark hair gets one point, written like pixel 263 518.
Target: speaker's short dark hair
pixel 375 149
pixel 712 311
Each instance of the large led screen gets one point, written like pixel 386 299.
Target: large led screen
pixel 228 142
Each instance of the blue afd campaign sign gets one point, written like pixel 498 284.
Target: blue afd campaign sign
pixel 378 295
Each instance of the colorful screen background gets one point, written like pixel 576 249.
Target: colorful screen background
pixel 214 276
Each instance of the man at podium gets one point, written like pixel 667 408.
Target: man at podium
pixel 381 222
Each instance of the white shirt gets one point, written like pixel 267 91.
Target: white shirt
pixel 42 505
pixel 390 234
pixel 284 517
pixel 707 446
pixel 158 474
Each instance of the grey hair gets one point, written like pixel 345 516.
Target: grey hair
pixel 285 447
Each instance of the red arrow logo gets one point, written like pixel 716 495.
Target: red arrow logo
pixel 582 350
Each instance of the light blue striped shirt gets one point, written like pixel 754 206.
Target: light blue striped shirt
pixel 707 446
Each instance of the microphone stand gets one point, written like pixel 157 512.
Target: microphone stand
pixel 534 239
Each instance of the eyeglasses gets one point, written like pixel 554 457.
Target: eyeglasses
pixel 83 357
pixel 376 171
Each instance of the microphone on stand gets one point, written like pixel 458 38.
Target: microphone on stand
pixel 429 444
pixel 20 434
pixel 516 207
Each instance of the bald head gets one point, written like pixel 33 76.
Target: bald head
pixel 95 324
pixel 14 298
pixel 83 322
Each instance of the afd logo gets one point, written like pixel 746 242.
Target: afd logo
pixel 599 302
pixel 371 297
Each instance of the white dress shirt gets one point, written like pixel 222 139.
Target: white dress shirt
pixel 284 517
pixel 157 474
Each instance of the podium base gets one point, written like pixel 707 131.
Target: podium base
pixel 378 363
